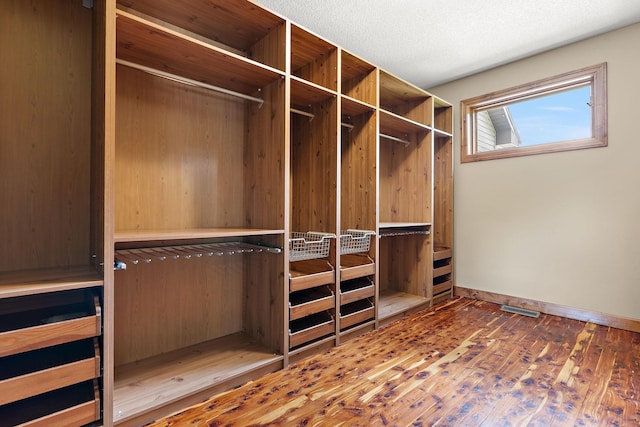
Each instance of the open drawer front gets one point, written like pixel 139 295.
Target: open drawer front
pixel 76 405
pixel 356 312
pixel 310 301
pixel 40 371
pixel 356 265
pixel 311 328
pixel 310 273
pixel 38 321
pixel 356 289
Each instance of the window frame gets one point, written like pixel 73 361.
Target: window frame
pixel 595 76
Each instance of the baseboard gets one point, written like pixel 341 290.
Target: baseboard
pixel 554 309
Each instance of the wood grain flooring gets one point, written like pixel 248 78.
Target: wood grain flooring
pixel 461 363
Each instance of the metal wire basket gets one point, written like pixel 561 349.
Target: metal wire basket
pixel 309 245
pixel 355 241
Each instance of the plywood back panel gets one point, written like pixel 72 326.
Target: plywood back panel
pixel 405 264
pixel 358 173
pixel 178 148
pixel 166 305
pixel 405 179
pixel 45 141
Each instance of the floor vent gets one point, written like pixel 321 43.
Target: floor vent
pixel 518 310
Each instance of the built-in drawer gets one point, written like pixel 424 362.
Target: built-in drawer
pixel 37 321
pixel 310 328
pixel 310 301
pixel 72 406
pixel 36 372
pixel 441 287
pixel 356 289
pixel 310 273
pixel 356 312
pixel 441 270
pixel 356 265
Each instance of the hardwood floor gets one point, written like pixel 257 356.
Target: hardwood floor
pixel 462 363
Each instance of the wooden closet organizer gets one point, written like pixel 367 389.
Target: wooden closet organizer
pixel 195 193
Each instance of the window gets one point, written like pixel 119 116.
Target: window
pixel 565 112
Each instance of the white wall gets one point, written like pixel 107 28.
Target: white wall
pixel 562 228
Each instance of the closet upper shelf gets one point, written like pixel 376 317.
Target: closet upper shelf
pixel 159 46
pixel 393 124
pixel 237 26
pixel 188 234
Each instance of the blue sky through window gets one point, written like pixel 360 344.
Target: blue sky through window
pixel 558 117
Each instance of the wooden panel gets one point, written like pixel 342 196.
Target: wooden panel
pixel 441 271
pixel 356 313
pixel 394 304
pixel 405 99
pixel 443 192
pixel 78 415
pixel 359 79
pixel 163 306
pixel 314 176
pixel 442 287
pixel 405 180
pixel 355 290
pixel 264 162
pixel 440 253
pixel 358 173
pixel 239 24
pixel 313 58
pixel 45 134
pixel 20 283
pixel 177 146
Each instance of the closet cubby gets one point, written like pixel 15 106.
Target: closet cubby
pixel 404 100
pixel 359 79
pixel 52 211
pixel 313 59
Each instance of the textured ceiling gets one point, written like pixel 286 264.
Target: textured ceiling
pixel 429 42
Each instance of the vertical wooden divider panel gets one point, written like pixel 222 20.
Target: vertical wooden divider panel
pixel 45 130
pixel 443 192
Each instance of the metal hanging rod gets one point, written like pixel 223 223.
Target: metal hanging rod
pixel 393 138
pixel 303 113
pixel 188 81
pixel 147 255
pixel 405 232
pixel 347 125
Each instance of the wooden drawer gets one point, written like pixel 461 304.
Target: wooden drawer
pixel 310 273
pixel 310 328
pixel 356 289
pixel 442 287
pixel 31 322
pixel 440 253
pixel 441 271
pixel 356 312
pixel 356 265
pixel 36 372
pixel 310 301
pixel 72 406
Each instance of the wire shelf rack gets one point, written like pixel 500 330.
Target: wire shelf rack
pixel 355 241
pixel 309 245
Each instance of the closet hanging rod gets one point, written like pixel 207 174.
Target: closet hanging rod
pixel 403 233
pixel 347 125
pixel 303 113
pixel 188 81
pixel 393 138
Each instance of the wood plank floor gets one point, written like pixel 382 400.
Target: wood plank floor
pixel 462 363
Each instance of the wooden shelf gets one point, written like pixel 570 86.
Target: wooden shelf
pixel 29 282
pixel 391 123
pixel 392 303
pixel 158 46
pixel 189 234
pixel 310 328
pixel 235 26
pixel 353 107
pixel 152 383
pixel 392 225
pixel 304 93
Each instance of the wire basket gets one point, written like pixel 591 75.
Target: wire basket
pixel 355 241
pixel 309 245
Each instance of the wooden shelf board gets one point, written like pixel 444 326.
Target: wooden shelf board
pixel 354 107
pixel 153 45
pixel 394 123
pixel 187 234
pixel 404 224
pixel 146 385
pixel 29 282
pixel 440 252
pixel 236 24
pixel 394 90
pixel 304 92
pixel 391 303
